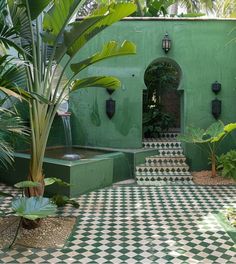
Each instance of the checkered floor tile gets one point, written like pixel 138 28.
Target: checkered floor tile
pixel 133 224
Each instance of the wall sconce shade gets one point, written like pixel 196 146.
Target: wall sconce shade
pixel 110 108
pixel 216 108
pixel 216 87
pixel 166 43
pixel 110 91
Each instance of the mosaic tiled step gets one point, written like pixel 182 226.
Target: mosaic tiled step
pixel 164 174
pixel 160 139
pixel 169 135
pixel 165 160
pixel 162 144
pixel 173 168
pixel 155 180
pixel 171 152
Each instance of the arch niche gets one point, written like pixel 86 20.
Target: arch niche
pixel 162 98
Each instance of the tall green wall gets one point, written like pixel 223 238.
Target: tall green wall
pixel 203 51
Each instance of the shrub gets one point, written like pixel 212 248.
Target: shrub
pixel 226 164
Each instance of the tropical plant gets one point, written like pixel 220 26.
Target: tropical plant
pixel 208 139
pixel 47 41
pixel 156 121
pixel 33 208
pixel 153 8
pixel 225 8
pixel 10 122
pixel 226 164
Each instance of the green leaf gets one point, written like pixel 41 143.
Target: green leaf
pixel 62 200
pixel 81 32
pixel 110 49
pixel 27 184
pixel 230 127
pixel 37 6
pixel 34 207
pixel 96 81
pixel 193 135
pixel 58 16
pixel 50 181
pixel 215 131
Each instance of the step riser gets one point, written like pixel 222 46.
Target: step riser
pixel 156 174
pixel 165 163
pixel 162 145
pixel 164 178
pixel 162 169
pixel 168 152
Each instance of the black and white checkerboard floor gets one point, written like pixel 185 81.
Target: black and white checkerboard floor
pixel 135 224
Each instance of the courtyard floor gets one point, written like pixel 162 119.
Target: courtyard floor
pixel 133 224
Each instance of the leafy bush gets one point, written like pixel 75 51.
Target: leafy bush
pixel 226 163
pixel 156 121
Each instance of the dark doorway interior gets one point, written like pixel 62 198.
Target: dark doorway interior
pixel 161 100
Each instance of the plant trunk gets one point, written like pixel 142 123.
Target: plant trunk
pixel 213 166
pixel 29 192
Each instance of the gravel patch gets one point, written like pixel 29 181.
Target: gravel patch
pixel 52 233
pixel 204 178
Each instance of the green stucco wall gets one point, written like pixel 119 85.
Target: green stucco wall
pixel 202 50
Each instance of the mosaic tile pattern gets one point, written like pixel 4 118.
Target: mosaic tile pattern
pixel 168 167
pixel 166 224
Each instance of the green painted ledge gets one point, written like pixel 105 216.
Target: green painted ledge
pixel 230 230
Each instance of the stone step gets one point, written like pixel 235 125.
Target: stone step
pixel 162 144
pixel 145 168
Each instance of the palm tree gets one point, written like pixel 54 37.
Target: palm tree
pixel 226 8
pixel 43 35
pixel 192 6
pixel 10 122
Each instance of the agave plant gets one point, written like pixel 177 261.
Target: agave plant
pixel 47 41
pixel 208 139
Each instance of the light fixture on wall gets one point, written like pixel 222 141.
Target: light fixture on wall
pixel 110 108
pixel 216 104
pixel 166 43
pixel 216 87
pixel 216 108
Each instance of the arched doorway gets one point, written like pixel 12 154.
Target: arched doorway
pixel 161 99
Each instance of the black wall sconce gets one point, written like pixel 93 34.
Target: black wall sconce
pixel 166 43
pixel 110 108
pixel 216 87
pixel 110 91
pixel 216 108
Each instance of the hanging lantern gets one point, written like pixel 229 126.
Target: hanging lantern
pixel 166 43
